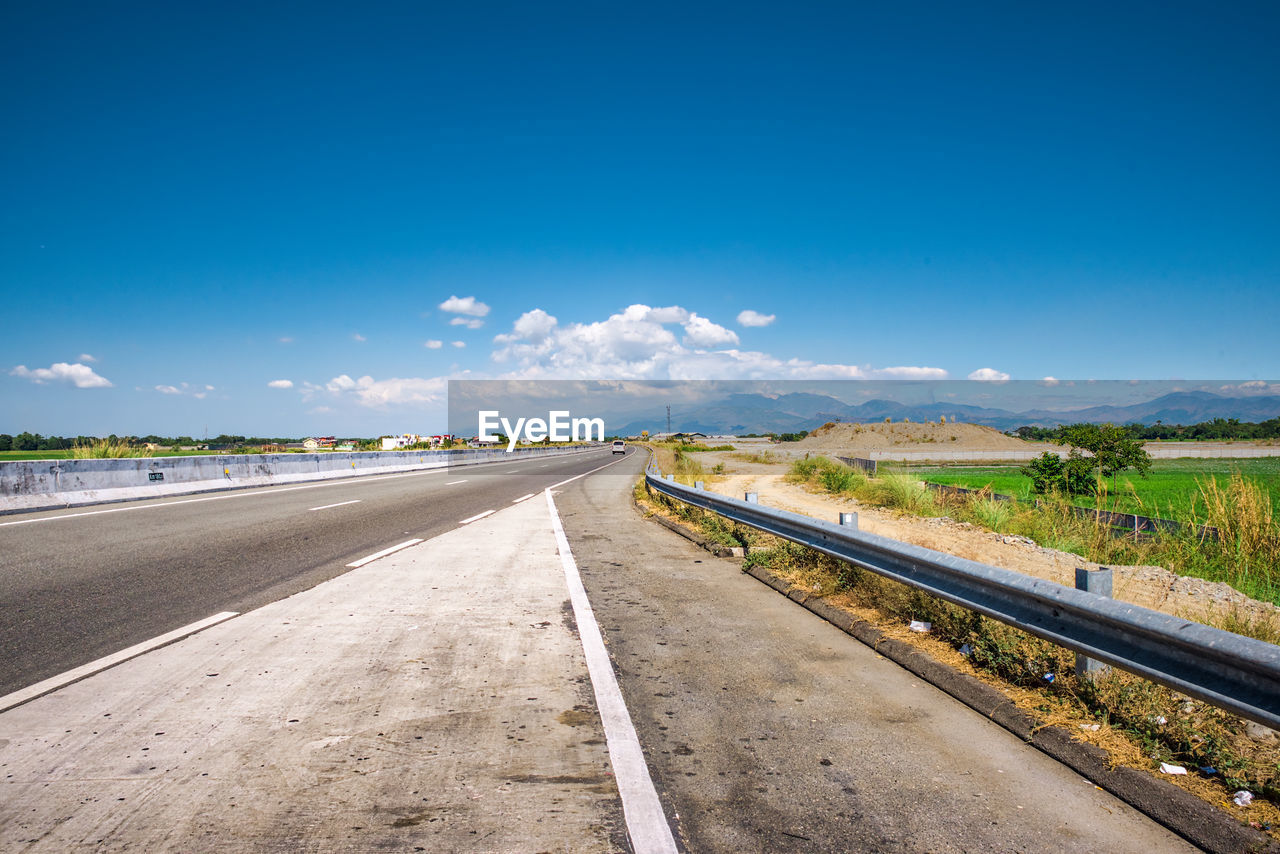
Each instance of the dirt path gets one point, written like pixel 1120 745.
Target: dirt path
pixel 1150 586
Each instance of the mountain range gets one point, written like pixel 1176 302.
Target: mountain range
pixel 789 413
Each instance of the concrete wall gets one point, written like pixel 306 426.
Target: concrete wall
pixel 46 484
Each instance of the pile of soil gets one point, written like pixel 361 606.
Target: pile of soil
pixel 909 435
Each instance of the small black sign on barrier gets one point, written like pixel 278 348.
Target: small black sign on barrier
pixel 155 475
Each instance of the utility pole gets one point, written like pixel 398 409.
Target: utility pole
pixel 668 418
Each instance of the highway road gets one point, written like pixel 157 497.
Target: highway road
pixel 545 671
pixel 77 585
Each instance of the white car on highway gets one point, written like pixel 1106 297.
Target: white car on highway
pixel 619 447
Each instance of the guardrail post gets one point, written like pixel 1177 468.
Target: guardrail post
pixel 849 520
pixel 751 497
pixel 1093 581
pixel 670 477
pixel 697 484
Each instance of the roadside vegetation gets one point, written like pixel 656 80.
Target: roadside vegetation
pixel 1140 723
pixel 1170 490
pixel 108 449
pixel 1246 554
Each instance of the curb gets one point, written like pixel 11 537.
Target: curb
pixel 1193 819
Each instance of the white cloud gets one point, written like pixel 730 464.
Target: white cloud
pixel 186 388
pixel 378 394
pixel 458 344
pixel 989 375
pixel 636 344
pixel 280 384
pixel 81 376
pixel 534 325
pixel 464 305
pixel 285 340
pixel 85 357
pixel 700 332
pixel 433 344
pixel 469 322
pixel 755 318
pixel 357 337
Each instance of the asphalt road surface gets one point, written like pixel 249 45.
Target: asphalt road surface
pixel 76 585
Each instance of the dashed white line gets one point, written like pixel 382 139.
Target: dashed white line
pixel 362 561
pixel 455 482
pixel 646 824
pixel 524 498
pixel 339 504
pixel 17 698
pixel 248 493
pixel 476 517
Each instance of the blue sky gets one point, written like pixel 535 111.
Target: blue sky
pixel 198 204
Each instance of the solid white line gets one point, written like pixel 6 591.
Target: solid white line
pixel 646 824
pixel 371 558
pixel 17 698
pixel 339 504
pixel 455 482
pixel 476 517
pixel 524 498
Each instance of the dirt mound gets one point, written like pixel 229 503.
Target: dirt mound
pixel 908 435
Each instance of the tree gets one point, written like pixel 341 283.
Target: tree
pixel 1111 450
pixel 26 441
pixel 6 442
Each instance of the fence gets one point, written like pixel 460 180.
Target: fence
pixel 1228 670
pixel 867 466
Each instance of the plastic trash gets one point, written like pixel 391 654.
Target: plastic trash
pixel 1049 677
pixel 1160 720
pixel 1208 770
pixel 966 650
pixel 1091 727
pixel 1242 798
pixel 920 626
pixel 1165 768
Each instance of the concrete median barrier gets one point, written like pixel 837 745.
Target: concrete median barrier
pixel 46 484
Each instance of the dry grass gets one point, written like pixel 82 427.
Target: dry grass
pixel 108 449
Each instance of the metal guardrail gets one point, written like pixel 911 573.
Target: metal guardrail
pixel 1233 672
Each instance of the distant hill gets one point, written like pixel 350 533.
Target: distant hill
pixel 789 413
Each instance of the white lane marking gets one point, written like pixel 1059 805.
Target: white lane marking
pixel 544 465
pixel 17 698
pixel 339 504
pixel 371 558
pixel 455 482
pixel 584 474
pixel 275 490
pixel 646 824
pixel 524 498
pixel 476 517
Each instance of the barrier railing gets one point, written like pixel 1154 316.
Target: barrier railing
pixel 1233 672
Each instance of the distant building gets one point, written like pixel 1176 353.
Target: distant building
pixel 318 443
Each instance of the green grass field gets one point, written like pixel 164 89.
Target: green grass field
pixel 1167 492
